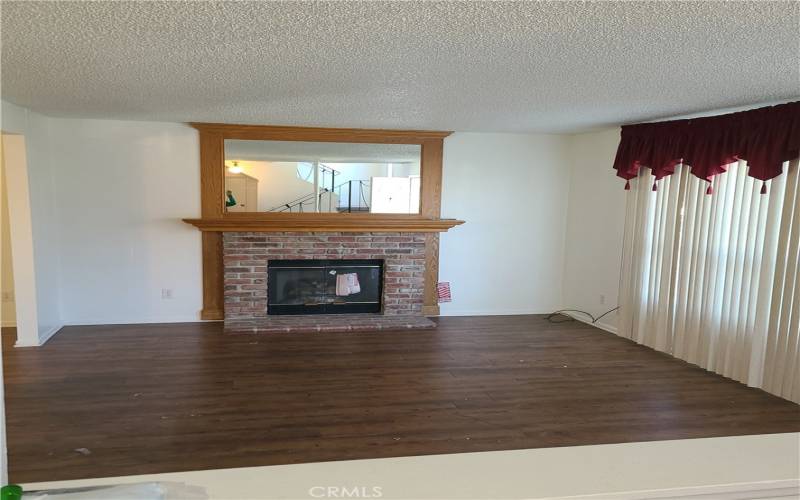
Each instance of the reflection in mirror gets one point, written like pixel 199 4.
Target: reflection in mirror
pixel 294 176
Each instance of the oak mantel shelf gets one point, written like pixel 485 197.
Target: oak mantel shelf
pixel 325 223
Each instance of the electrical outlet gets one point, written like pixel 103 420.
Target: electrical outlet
pixel 166 293
pixel 602 299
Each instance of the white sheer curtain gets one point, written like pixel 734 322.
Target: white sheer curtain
pixel 713 279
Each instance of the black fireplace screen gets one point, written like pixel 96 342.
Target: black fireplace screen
pixel 324 286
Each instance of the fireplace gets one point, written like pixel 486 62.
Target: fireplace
pixel 330 286
pixel 287 281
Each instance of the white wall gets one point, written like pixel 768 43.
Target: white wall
pixel 8 313
pixel 41 178
pixel 129 183
pixel 38 165
pixel 117 191
pixel 595 223
pixel 20 232
pixel 122 188
pixel 511 189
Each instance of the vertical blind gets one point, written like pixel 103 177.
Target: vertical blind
pixel 713 280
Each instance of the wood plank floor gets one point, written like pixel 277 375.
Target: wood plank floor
pixel 162 398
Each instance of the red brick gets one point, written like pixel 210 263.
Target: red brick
pixel 247 254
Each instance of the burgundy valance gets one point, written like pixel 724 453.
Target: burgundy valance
pixel 764 137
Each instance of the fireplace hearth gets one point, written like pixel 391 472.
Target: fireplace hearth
pixel 324 286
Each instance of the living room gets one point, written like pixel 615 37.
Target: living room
pixel 251 236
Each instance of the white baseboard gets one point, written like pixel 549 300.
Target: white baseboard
pixel 196 319
pixel 600 325
pixel 493 312
pixel 43 337
pixel 49 334
pixel 607 327
pixel 134 321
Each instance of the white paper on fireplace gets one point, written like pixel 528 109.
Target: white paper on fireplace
pixel 347 284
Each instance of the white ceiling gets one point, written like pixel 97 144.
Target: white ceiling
pixel 492 66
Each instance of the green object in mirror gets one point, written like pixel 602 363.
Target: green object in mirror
pixel 230 201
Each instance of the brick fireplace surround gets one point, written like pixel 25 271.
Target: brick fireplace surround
pixel 245 257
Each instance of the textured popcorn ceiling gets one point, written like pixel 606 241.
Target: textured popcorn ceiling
pixel 524 66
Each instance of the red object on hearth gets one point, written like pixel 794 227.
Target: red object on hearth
pixel 764 137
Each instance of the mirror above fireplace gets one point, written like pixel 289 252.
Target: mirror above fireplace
pixel 321 177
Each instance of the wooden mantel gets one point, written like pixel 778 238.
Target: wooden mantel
pixel 326 223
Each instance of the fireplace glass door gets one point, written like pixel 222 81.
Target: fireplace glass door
pixel 335 286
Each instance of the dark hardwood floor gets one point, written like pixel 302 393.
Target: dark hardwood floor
pixel 118 400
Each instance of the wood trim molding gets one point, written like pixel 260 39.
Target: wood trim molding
pixel 214 220
pixel 430 304
pixel 318 134
pixel 318 224
pixel 431 206
pixel 431 182
pixel 212 181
